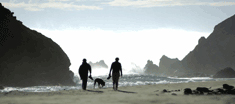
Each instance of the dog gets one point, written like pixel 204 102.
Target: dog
pixel 100 82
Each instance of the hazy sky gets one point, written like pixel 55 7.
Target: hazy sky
pixel 117 15
pixel 134 30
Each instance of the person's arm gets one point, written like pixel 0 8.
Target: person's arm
pixel 110 70
pixel 80 72
pixel 121 69
pixel 89 69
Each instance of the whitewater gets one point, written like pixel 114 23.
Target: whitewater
pixel 125 80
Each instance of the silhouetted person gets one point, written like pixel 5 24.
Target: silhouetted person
pixel 117 68
pixel 83 72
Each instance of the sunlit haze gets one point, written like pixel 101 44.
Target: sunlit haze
pixel 132 47
pixel 133 30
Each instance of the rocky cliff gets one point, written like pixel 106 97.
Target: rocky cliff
pixel 208 57
pixel 214 53
pixel 28 58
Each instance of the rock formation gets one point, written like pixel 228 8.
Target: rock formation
pixel 100 64
pixel 170 67
pixel 208 57
pixel 214 53
pixel 225 73
pixel 226 90
pixel 151 68
pixel 28 58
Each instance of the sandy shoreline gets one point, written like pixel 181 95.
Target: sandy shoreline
pixel 143 94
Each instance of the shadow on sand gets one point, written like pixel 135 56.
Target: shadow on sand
pixel 125 91
pixel 95 91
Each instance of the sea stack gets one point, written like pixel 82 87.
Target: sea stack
pixel 151 68
pixel 100 64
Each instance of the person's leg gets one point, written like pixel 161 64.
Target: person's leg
pixel 113 78
pixel 117 85
pixel 82 84
pixel 85 83
pixel 113 85
pixel 117 79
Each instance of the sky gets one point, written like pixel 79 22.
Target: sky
pixel 133 30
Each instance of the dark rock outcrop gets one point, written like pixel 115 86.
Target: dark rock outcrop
pixel 203 90
pixel 100 64
pixel 227 89
pixel 187 91
pixel 225 73
pixel 214 53
pixel 210 55
pixel 151 68
pixel 167 67
pixel 28 58
pixel 170 67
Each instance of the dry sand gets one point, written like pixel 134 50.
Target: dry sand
pixel 145 94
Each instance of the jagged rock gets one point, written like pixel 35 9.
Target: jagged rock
pixel 228 87
pixel 231 91
pixel 202 41
pixel 187 91
pixel 214 53
pixel 166 62
pixel 170 67
pixel 28 58
pixel 100 64
pixel 150 68
pixel 225 73
pixel 203 90
pixel 219 90
pixel 164 90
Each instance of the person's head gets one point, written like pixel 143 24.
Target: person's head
pixel 84 60
pixel 117 59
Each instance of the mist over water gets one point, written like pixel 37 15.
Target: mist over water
pixel 131 69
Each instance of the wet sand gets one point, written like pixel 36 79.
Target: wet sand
pixel 144 94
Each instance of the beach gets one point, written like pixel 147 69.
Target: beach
pixel 142 94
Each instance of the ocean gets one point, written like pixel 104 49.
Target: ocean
pixel 125 80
